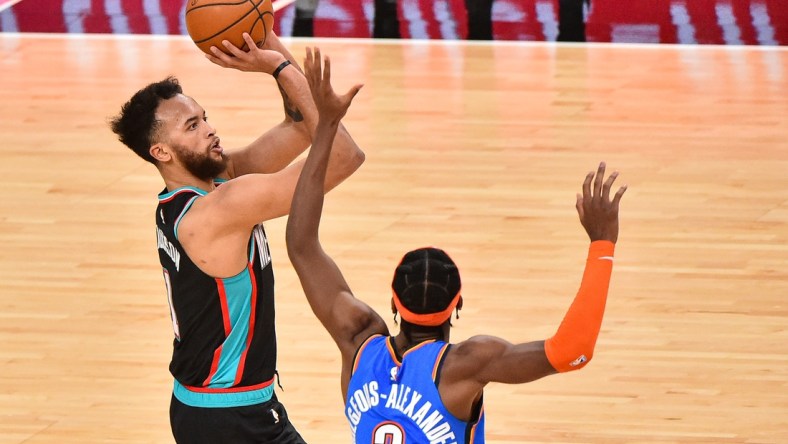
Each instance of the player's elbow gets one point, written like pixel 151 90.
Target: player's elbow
pixel 567 356
pixel 351 155
pixel 354 160
pixel 296 246
pixel 568 364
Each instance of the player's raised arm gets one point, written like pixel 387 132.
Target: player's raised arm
pixel 279 146
pixel 348 320
pixel 572 346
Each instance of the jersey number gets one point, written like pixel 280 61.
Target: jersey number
pixel 388 433
pixel 174 318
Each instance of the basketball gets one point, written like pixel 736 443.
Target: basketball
pixel 211 21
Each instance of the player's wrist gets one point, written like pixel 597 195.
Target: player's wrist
pixel 281 67
pixel 601 248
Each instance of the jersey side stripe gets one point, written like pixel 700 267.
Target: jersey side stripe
pixel 217 355
pixel 240 371
pixel 228 326
pixel 236 292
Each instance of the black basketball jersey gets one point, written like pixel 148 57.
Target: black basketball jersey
pixel 225 341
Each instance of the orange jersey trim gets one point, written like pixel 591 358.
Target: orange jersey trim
pixel 393 353
pixel 438 362
pixel 472 434
pixel 361 350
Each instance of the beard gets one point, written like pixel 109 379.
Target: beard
pixel 202 165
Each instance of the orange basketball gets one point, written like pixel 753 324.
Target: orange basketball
pixel 211 21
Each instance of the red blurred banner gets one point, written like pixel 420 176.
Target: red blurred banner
pixel 733 22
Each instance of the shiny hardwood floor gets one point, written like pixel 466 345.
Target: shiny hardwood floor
pixel 477 148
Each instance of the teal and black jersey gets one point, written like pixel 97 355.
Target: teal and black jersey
pixel 224 352
pixel 393 401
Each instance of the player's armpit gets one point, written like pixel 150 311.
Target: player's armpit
pixel 361 323
pixel 348 320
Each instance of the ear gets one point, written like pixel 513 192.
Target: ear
pixel 161 152
pixel 459 303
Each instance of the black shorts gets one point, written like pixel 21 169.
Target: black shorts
pixel 260 424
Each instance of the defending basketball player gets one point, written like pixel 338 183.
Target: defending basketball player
pixel 213 247
pixel 415 387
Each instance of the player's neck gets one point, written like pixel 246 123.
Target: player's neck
pixel 411 336
pixel 179 179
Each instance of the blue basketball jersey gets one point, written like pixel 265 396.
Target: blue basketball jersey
pixel 393 402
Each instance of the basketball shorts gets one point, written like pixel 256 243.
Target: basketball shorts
pixel 265 423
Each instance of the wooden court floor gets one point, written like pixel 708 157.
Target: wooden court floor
pixel 476 148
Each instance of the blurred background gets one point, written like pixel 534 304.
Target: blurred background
pixel 723 22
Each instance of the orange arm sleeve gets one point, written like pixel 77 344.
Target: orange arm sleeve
pixel 572 346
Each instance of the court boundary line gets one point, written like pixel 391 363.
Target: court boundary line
pixel 414 42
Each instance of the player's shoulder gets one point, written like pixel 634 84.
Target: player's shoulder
pixel 465 359
pixel 479 347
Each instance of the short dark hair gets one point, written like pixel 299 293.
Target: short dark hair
pixel 426 281
pixel 136 124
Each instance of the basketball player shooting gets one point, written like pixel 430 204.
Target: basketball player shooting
pixel 415 386
pixel 213 247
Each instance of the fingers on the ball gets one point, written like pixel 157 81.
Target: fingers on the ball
pixel 234 51
pixel 216 57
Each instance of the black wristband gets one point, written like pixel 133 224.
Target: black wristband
pixel 279 68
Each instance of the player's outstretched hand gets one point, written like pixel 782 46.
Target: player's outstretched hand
pixel 599 214
pixel 329 105
pixel 252 60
